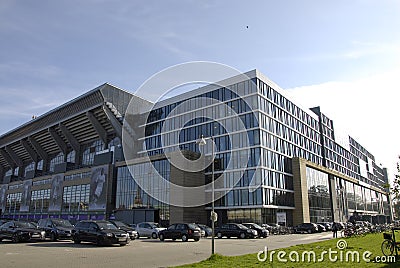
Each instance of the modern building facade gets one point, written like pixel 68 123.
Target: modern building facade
pixel 274 161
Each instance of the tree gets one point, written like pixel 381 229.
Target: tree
pixel 396 207
pixel 395 189
pixel 395 192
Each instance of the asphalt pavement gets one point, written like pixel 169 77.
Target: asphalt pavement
pixel 139 253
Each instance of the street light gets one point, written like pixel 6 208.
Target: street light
pixel 203 142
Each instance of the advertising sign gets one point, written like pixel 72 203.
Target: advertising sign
pixel 98 188
pixel 3 197
pixel 281 218
pixel 26 196
pixel 56 192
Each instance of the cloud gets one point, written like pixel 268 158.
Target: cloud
pixel 19 104
pixel 25 69
pixel 353 51
pixel 366 109
pixel 363 49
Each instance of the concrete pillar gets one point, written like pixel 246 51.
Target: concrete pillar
pixel 301 213
pixel 187 179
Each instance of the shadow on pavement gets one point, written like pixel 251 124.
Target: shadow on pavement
pixel 166 241
pixel 66 244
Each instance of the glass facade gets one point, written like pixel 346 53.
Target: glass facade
pixel 130 195
pixel 57 159
pixel 76 198
pixel 13 203
pixel 90 151
pixel 277 131
pixel 233 109
pixel 40 200
pixel 319 196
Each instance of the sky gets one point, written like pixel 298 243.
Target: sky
pixel 341 55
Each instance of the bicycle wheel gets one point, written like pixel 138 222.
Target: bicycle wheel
pixel 387 247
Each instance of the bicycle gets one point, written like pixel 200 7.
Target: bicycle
pixel 389 244
pixel 348 232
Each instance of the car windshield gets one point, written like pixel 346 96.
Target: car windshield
pixel 22 224
pixel 154 225
pixel 107 226
pixel 256 226
pixel 193 226
pixel 62 223
pixel 241 226
pixel 120 224
pixel 202 226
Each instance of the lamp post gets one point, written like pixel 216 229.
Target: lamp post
pixel 203 142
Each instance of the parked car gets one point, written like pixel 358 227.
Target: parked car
pixel 235 230
pixel 148 229
pixel 341 225
pixel 56 229
pixel 184 231
pixel 207 230
pixel 321 228
pixel 306 228
pixel 99 232
pixel 261 231
pixel 18 231
pixel 122 226
pixel 202 232
pixel 267 226
pixel 273 228
pixel 327 225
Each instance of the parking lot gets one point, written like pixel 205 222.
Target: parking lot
pixel 139 253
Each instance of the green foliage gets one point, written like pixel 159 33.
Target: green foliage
pixel 370 242
pixel 396 184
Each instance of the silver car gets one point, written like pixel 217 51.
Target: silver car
pixel 148 229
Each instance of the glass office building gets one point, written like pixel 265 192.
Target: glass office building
pixel 272 158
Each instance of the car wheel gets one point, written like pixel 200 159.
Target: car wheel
pixel 184 238
pixel 15 238
pixel 99 241
pixel 242 235
pixel 138 236
pixel 123 244
pixel 154 235
pixel 309 231
pixel 161 236
pixel 53 237
pixel 196 239
pixel 76 240
pixel 219 235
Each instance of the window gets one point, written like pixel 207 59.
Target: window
pixel 40 201
pixel 318 195
pixel 76 198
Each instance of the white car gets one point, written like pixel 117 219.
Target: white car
pixel 148 229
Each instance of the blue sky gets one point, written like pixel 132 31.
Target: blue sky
pixel 342 55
